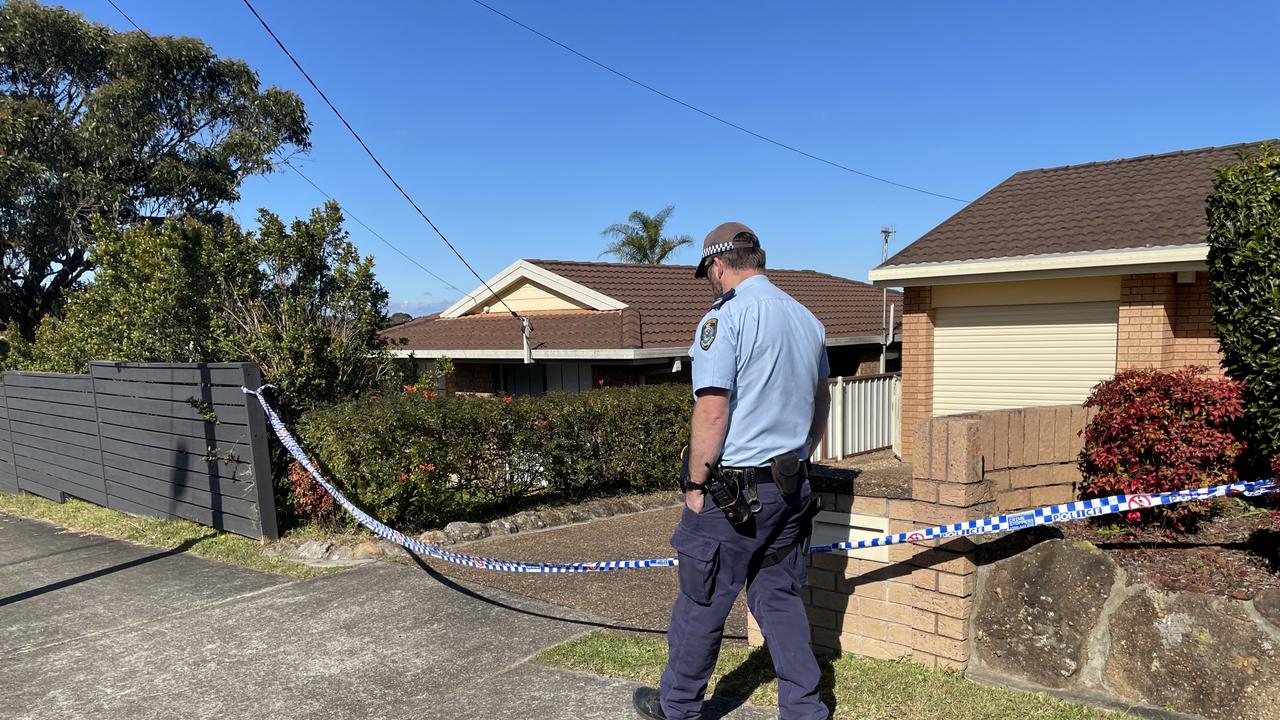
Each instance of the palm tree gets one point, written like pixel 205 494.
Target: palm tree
pixel 640 240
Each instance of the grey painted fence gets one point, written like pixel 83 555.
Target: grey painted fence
pixel 169 440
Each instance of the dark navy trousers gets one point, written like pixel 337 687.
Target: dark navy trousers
pixel 716 560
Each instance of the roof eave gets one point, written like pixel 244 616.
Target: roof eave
pixel 601 353
pixel 1176 258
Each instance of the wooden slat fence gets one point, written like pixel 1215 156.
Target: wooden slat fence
pixel 168 440
pixel 8 474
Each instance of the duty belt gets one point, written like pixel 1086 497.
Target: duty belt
pixel 753 475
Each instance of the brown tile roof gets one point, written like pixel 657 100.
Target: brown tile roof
pixel 664 301
pixel 1149 201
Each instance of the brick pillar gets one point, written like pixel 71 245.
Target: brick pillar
pixel 947 487
pixel 917 362
pixel 1146 321
pixel 1195 334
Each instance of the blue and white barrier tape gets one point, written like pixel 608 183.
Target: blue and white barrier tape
pixel 1053 514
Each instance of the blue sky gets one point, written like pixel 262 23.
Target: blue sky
pixel 516 148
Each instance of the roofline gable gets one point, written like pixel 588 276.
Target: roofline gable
pixel 525 270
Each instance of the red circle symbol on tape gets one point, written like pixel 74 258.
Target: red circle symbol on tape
pixel 915 536
pixel 1138 502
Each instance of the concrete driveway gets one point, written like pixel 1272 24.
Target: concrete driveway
pixel 96 628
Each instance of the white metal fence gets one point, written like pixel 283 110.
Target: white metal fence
pixel 865 415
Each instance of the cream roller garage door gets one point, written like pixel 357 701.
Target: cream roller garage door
pixel 1004 356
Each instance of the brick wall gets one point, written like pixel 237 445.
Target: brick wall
pixel 1195 339
pixel 1146 326
pixel 917 603
pixel 869 365
pixel 917 361
pixel 1166 324
pixel 1030 455
pixel 477 378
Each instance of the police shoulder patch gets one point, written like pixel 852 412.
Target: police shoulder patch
pixel 708 333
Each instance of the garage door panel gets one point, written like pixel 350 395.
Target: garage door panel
pixel 993 357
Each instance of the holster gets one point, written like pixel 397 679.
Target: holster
pixel 789 473
pixel 727 494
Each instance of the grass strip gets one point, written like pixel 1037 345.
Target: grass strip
pixel 858 687
pixel 85 517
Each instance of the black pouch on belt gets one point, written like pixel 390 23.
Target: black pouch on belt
pixel 788 472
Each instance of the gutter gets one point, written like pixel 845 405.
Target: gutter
pixel 1179 258
pixel 601 353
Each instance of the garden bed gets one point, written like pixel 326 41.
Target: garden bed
pixel 1235 552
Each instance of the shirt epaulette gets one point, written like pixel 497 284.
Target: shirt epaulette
pixel 723 299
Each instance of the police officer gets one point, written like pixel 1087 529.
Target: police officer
pixel 759 379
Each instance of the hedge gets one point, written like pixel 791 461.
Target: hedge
pixel 1243 218
pixel 416 461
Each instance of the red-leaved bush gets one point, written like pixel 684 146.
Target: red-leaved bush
pixel 1157 431
pixel 310 501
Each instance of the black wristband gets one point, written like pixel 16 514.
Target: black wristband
pixel 688 485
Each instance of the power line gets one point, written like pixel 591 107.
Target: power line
pixel 711 115
pixel 373 157
pixel 375 233
pixel 125 15
pixel 346 211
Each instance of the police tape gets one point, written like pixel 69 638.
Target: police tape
pixel 1079 510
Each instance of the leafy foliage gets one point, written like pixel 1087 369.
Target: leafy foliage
pixel 152 300
pixel 97 125
pixel 398 318
pixel 1157 431
pixel 1243 215
pixel 416 460
pixel 640 239
pixel 297 300
pixel 303 304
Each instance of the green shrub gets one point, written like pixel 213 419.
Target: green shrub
pixel 417 462
pixel 1243 215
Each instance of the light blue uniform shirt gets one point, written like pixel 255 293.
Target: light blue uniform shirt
pixel 769 351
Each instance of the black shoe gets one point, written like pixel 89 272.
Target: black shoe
pixel 648 702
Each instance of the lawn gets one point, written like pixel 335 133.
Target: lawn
pixel 168 534
pixel 859 687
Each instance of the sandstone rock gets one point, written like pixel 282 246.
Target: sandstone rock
pixel 1268 605
pixel 577 514
pixel 465 531
pixel 1193 653
pixel 1035 611
pixel 312 550
pixel 528 521
pixel 625 505
pixel 597 509
pixel 367 551
pixel 342 554
pixel 502 526
pixel 391 549
pixel 554 517
pixel 658 500
pixel 435 537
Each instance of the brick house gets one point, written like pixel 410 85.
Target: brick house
pixel 598 324
pixel 1055 279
